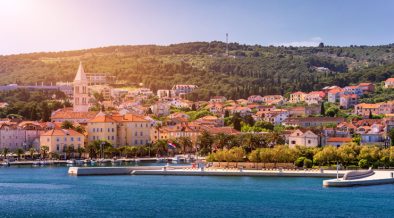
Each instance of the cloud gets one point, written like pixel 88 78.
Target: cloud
pixel 312 42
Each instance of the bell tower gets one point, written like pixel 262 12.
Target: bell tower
pixel 81 95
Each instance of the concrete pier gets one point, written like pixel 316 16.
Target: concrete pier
pixel 378 178
pixel 188 171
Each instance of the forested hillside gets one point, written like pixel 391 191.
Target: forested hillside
pixel 248 69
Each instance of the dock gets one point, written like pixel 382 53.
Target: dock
pixel 377 178
pixel 189 171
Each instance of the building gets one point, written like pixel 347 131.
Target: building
pixel 120 130
pixel 304 139
pixel 173 132
pixel 255 99
pixel 160 108
pixel 183 89
pixel 165 93
pixel 389 83
pixel 367 87
pixel 23 135
pixel 365 109
pixel 275 116
pixel 348 90
pixel 297 97
pixel 81 93
pixel 58 140
pixel 218 99
pixel 333 95
pixel 99 79
pixel 338 141
pixel 307 122
pixel 315 97
pixel 348 101
pixel 64 114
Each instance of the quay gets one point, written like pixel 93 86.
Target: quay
pixel 366 178
pixel 345 178
pixel 189 171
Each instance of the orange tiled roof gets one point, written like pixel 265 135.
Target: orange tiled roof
pixel 68 113
pixel 339 139
pixel 61 132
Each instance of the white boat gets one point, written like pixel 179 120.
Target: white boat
pixel 36 163
pixel 87 161
pixel 5 163
pixel 93 162
pixel 160 159
pixel 43 162
pixel 70 161
pixel 79 162
pixel 137 160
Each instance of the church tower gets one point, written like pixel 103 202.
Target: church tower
pixel 81 96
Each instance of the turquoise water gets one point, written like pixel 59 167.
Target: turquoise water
pixel 50 192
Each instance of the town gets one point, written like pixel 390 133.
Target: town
pixel 105 121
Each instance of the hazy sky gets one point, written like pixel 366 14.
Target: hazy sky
pixel 53 25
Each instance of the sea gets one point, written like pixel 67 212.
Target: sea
pixel 48 191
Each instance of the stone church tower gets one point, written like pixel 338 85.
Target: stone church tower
pixel 81 96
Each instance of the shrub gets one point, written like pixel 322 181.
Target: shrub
pixel 299 162
pixel 363 163
pixel 308 163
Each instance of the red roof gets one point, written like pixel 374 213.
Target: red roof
pixel 339 139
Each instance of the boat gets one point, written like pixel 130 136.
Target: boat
pixel 70 161
pixel 116 161
pixel 43 162
pixel 87 161
pixel 36 163
pixel 160 159
pixel 79 162
pixel 93 162
pixel 137 160
pixel 5 163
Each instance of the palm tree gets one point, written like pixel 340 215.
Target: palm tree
pixel 80 151
pixel 69 150
pixel 19 152
pixel 185 143
pixel 161 146
pixel 32 151
pixel 5 152
pixel 44 150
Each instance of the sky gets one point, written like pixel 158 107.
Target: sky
pixel 56 25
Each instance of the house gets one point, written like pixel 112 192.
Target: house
pixel 183 89
pixel 348 101
pixel 218 99
pixel 215 108
pixel 272 99
pixel 304 139
pixel 275 116
pixel 333 95
pixel 367 87
pixel 338 141
pixel 20 135
pixel 389 83
pixel 315 97
pixel 64 114
pixel 304 111
pixel 165 93
pixel 255 99
pixel 58 140
pixel 307 122
pixel 365 109
pixel 353 90
pixel 160 108
pixel 210 121
pixel 173 132
pixel 297 97
pixel 128 129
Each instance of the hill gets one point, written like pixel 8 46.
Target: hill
pixel 248 69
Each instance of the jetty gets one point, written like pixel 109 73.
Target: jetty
pixel 362 178
pixel 189 171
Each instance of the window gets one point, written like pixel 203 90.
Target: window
pixel 141 142
pixel 79 139
pixel 136 142
pixel 47 139
pixel 136 134
pixel 293 142
pixel 57 139
pixel 109 130
pixel 72 139
pixel 141 133
pixel 108 137
pixel 57 147
pixel 94 129
pixel 113 130
pixel 113 137
pixel 309 141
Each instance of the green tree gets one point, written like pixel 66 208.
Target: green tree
pixel 19 152
pixel 44 151
pixel 67 125
pixel 204 142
